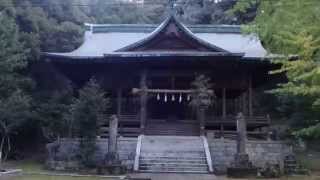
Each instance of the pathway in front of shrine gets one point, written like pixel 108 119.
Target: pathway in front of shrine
pixel 174 176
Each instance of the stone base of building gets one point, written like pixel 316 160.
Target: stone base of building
pixel 260 153
pixel 63 154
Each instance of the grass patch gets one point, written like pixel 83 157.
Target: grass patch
pixel 310 160
pixel 31 168
pixel 40 177
pixel 27 166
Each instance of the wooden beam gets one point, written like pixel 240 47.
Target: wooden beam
pixel 172 91
pixel 224 103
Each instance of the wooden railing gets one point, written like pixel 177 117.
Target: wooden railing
pixel 231 120
pixel 251 135
pixel 129 125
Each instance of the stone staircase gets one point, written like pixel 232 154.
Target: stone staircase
pixel 173 154
pixel 165 128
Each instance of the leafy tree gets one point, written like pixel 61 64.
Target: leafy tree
pixel 53 114
pixel 14 103
pixel 210 12
pixel 203 94
pixel 290 30
pixel 41 30
pixel 87 113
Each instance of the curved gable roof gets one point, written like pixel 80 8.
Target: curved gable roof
pixel 176 37
pixel 109 38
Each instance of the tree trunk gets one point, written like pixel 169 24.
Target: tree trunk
pixel 1 149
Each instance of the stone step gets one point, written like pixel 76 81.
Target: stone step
pixel 178 166
pixel 176 151
pixel 183 163
pixel 171 138
pixel 170 148
pixel 174 155
pixel 178 169
pixel 165 133
pixel 174 169
pixel 174 164
pixel 172 159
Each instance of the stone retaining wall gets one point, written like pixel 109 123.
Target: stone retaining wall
pixel 62 155
pixel 260 153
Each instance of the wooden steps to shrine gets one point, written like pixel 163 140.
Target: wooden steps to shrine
pixel 183 154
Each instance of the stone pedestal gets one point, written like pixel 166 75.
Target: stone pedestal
pixel 241 167
pixel 113 133
pixel 242 160
pixel 112 164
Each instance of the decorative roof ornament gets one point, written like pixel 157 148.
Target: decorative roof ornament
pixel 172 6
pixel 217 1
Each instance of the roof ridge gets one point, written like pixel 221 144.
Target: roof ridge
pixel 148 28
pixel 188 25
pixel 180 27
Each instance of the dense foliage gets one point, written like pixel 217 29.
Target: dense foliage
pixel 14 101
pixel 289 29
pixel 88 112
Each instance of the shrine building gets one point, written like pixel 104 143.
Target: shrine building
pixel 147 70
pixel 160 62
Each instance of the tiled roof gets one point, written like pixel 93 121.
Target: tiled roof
pixel 107 38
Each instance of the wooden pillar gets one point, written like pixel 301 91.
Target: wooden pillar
pixel 119 106
pixel 244 103
pixel 240 103
pixel 224 103
pixel 250 97
pixel 221 131
pixel 269 138
pixel 143 100
pixel 119 102
pixel 172 81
